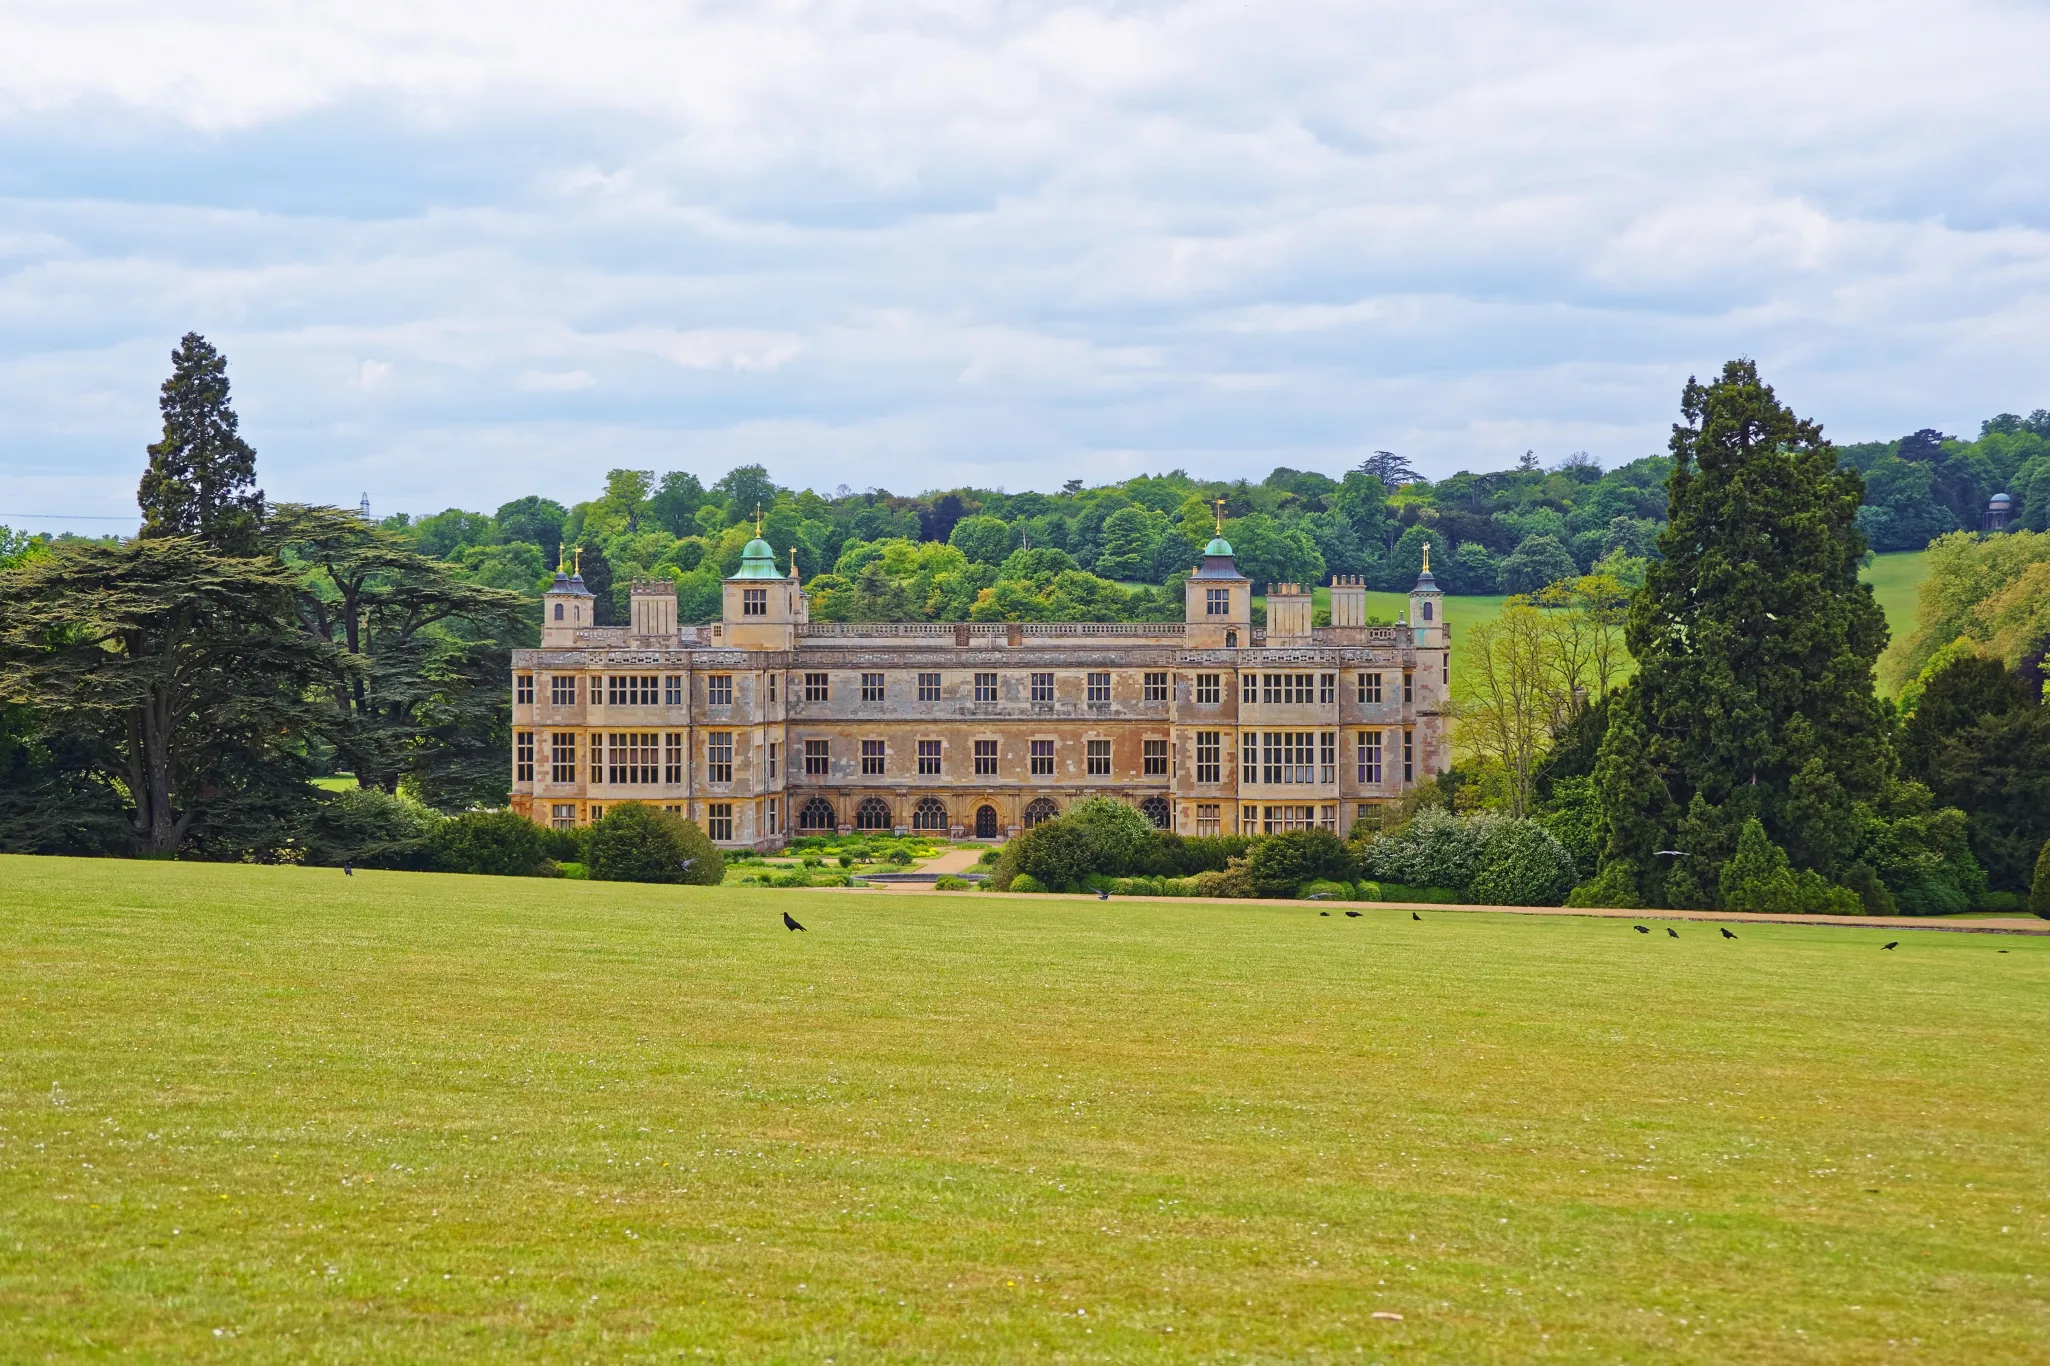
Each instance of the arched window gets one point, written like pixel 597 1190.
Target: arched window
pixel 929 814
pixel 1040 811
pixel 558 611
pixel 1427 610
pixel 873 814
pixel 817 815
pixel 1157 811
pixel 1231 640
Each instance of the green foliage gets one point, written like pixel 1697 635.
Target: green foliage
pixel 495 843
pixel 2039 890
pixel 1021 882
pixel 1613 887
pixel 1325 889
pixel 201 480
pixel 1436 849
pixel 1280 864
pixel 1980 741
pixel 1539 562
pixel 1401 892
pixel 1758 878
pixel 372 829
pixel 635 842
pixel 1521 864
pixel 1755 645
pixel 947 882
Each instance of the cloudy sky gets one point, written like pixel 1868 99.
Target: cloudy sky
pixel 460 252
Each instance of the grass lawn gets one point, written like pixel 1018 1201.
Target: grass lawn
pixel 269 1114
pixel 1895 579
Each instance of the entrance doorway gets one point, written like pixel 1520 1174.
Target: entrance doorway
pixel 986 823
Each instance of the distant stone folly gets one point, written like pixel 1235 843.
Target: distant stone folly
pixel 767 725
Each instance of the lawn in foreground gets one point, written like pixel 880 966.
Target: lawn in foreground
pixel 270 1114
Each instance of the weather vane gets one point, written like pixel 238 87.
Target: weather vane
pixel 758 521
pixel 1220 515
pixel 1427 557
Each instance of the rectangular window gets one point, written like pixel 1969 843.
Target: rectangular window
pixel 523 756
pixel 562 757
pixel 1249 756
pixel 1208 821
pixel 871 757
pixel 1370 690
pixel 871 687
pixel 1288 689
pixel 775 817
pixel 718 690
pixel 1279 820
pixel 928 758
pixel 1209 756
pixel 632 690
pixel 562 689
pixel 630 757
pixel 1327 758
pixel 1217 602
pixel 563 815
pixel 1327 688
pixel 1042 687
pixel 816 688
pixel 985 758
pixel 1409 756
pixel 928 687
pixel 1156 758
pixel 672 690
pixel 1249 820
pixel 1099 758
pixel 597 813
pixel 1099 687
pixel 1042 758
pixel 1408 688
pixel 773 749
pixel 523 689
pixel 1370 757
pixel 1156 687
pixel 985 687
pixel 718 756
pixel 1208 694
pixel 672 759
pixel 816 763
pixel 719 820
pixel 1288 756
pixel 1249 687
pixel 772 687
pixel 754 602
pixel 1327 816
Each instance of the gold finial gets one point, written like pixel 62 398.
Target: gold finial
pixel 577 561
pixel 793 562
pixel 758 521
pixel 1220 515
pixel 1427 557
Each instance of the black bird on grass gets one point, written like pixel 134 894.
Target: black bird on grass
pixel 1325 914
pixel 790 924
pixel 1414 916
pixel 1355 915
pixel 347 871
pixel 1894 945
pixel 1727 934
pixel 1640 929
pixel 1673 932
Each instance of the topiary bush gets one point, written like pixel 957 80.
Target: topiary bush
pixel 491 843
pixel 636 842
pixel 1281 863
pixel 1025 882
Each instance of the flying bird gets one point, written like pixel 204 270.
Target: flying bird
pixel 1894 945
pixel 1316 896
pixel 790 924
pixel 1727 934
pixel 1355 915
pixel 1103 896
pixel 1673 932
pixel 1640 929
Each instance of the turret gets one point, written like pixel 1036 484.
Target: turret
pixel 762 607
pixel 566 608
pixel 651 610
pixel 1217 601
pixel 1427 608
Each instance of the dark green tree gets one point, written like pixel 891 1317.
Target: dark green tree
pixel 494 843
pixel 1981 742
pixel 636 842
pixel 676 503
pixel 174 677
pixel 597 572
pixel 537 521
pixel 1755 640
pixel 201 479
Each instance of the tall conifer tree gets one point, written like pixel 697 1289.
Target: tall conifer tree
pixel 1755 644
pixel 201 479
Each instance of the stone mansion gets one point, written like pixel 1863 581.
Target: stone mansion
pixel 767 724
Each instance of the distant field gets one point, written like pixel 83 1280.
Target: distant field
pixel 271 1114
pixel 1895 579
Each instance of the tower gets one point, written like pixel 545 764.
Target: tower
pixel 1217 601
pixel 565 607
pixel 761 607
pixel 1427 608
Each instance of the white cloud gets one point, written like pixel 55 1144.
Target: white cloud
pixel 914 242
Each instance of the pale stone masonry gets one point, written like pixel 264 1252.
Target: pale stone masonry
pixel 766 724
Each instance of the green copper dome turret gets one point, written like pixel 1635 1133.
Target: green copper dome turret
pixel 1218 546
pixel 757 561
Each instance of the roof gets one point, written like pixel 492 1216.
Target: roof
pixel 757 561
pixel 574 587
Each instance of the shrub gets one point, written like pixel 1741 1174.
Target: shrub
pixel 1522 864
pixel 1281 863
pixel 2039 893
pixel 371 828
pixel 1025 882
pixel 576 872
pixel 1870 891
pixel 1757 879
pixel 494 843
pixel 1436 849
pixel 564 846
pixel 947 882
pixel 1232 880
pixel 636 842
pixel 1116 833
pixel 1613 888
pixel 1396 891
pixel 1327 889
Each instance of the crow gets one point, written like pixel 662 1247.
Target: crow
pixel 1355 915
pixel 348 871
pixel 1324 913
pixel 1103 896
pixel 1727 934
pixel 1673 932
pixel 1894 945
pixel 1640 929
pixel 790 924
pixel 1414 916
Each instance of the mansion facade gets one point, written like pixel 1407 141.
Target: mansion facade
pixel 766 724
